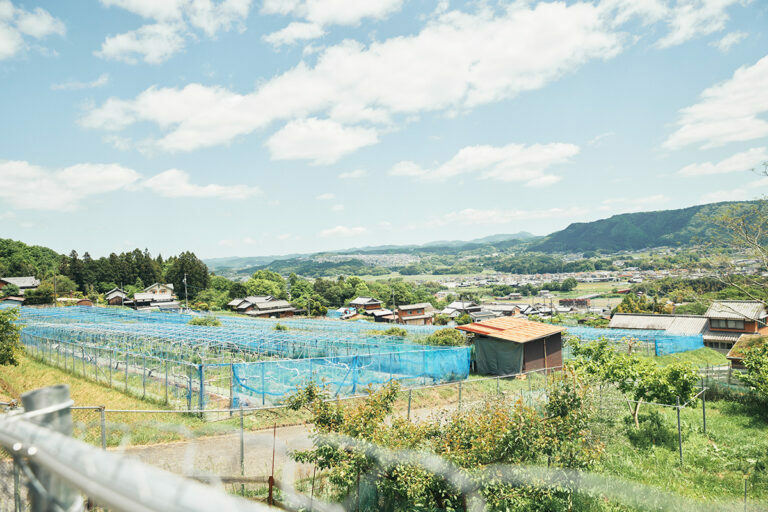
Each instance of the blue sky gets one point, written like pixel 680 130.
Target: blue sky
pixel 238 127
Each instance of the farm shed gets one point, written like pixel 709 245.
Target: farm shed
pixel 746 342
pixel 506 346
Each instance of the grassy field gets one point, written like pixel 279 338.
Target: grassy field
pixel 714 463
pixel 698 358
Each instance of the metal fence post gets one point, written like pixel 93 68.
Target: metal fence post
pixel 202 388
pixel 231 386
pixel 82 354
pixel 704 409
pixel 242 450
pixel 103 421
pixel 143 376
pixel 410 392
pixel 110 367
pixel 55 492
pixel 166 381
pixel 679 432
pixel 126 372
pixel 16 488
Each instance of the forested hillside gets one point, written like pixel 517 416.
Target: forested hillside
pixel 629 231
pixel 20 259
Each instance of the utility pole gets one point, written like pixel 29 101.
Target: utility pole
pixel 186 297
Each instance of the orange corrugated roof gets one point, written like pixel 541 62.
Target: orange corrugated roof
pixel 512 329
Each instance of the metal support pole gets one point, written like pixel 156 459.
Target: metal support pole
pixel 410 393
pixel 498 385
pixel 126 372
pixel 166 381
pixel 55 493
pixel 704 410
pixel 202 388
pixel 143 376
pixel 242 450
pixel 231 390
pixel 82 354
pixel 110 367
pixel 459 395
pixel 679 432
pixel 189 388
pixel 96 365
pixel 103 420
pixel 17 488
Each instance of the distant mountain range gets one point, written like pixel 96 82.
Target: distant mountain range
pixel 248 262
pixel 630 231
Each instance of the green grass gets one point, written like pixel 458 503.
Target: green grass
pixel 714 463
pixel 699 358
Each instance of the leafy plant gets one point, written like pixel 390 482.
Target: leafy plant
pixel 10 342
pixel 208 321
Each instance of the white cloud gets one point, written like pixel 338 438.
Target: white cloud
pixel 28 186
pixel 737 194
pixel 333 12
pixel 153 44
pixel 513 162
pixel 101 81
pixel 175 183
pixel 472 216
pixel 729 40
pixel 157 42
pixel 15 23
pixel 727 112
pixel 319 140
pixel 685 19
pixel 341 232
pixel 352 175
pixel 326 197
pixel 458 61
pixel 295 31
pixel 740 162
pixel 691 18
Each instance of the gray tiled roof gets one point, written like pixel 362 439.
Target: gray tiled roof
pixel 22 282
pixel 736 309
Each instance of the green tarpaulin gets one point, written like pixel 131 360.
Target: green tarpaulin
pixel 497 357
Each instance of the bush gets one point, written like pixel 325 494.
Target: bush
pixel 208 321
pixel 392 331
pixel 654 431
pixel 441 319
pixel 446 337
pixel 281 327
pixel 464 319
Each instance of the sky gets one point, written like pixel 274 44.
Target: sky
pixel 245 128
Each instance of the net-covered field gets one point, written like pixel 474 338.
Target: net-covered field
pixel 242 362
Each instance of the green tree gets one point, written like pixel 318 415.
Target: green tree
pixel 568 284
pixel 641 380
pixel 196 271
pixel 10 341
pixel 10 290
pixel 756 362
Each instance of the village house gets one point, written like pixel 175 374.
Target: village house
pixel 366 304
pixel 276 308
pixel 415 314
pixel 248 303
pixel 157 296
pixel 24 283
pixel 116 297
pixel 729 320
pixel 508 346
pixel 458 308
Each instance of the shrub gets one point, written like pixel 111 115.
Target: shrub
pixel 281 327
pixel 654 431
pixel 446 337
pixel 208 321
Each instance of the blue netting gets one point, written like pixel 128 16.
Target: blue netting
pixel 267 381
pixel 661 342
pixel 161 346
pixel 674 344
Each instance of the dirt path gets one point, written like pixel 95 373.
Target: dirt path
pixel 220 455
